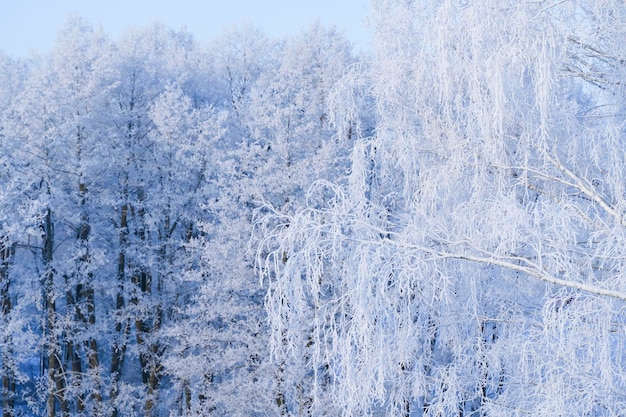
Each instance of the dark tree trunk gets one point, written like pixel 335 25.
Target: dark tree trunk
pixel 8 376
pixel 56 377
pixel 122 325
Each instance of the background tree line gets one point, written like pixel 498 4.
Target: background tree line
pixel 130 173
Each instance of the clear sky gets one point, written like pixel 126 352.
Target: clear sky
pixel 31 25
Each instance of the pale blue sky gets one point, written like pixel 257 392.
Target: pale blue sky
pixel 31 25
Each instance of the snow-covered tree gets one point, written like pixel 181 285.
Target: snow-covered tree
pixel 53 139
pixel 475 253
pixel 13 343
pixel 289 115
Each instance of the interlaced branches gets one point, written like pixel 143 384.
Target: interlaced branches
pixel 483 171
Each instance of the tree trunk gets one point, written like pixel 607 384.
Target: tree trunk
pixel 147 321
pixel 187 398
pixel 85 293
pixel 56 376
pixel 93 360
pixel 121 330
pixel 281 402
pixel 148 347
pixel 71 350
pixel 8 376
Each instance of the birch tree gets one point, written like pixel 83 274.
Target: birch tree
pixel 476 250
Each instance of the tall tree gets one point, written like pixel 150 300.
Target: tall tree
pixel 81 66
pixel 480 227
pixel 39 149
pixel 222 331
pixel 164 132
pixel 53 118
pixel 12 74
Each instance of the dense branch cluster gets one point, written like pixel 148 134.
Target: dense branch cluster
pixel 473 262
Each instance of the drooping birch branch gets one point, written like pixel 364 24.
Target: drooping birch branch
pixel 524 265
pixel 587 189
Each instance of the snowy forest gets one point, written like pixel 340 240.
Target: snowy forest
pixel 285 227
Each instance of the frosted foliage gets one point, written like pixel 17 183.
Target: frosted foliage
pixel 111 157
pixel 289 116
pixel 473 265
